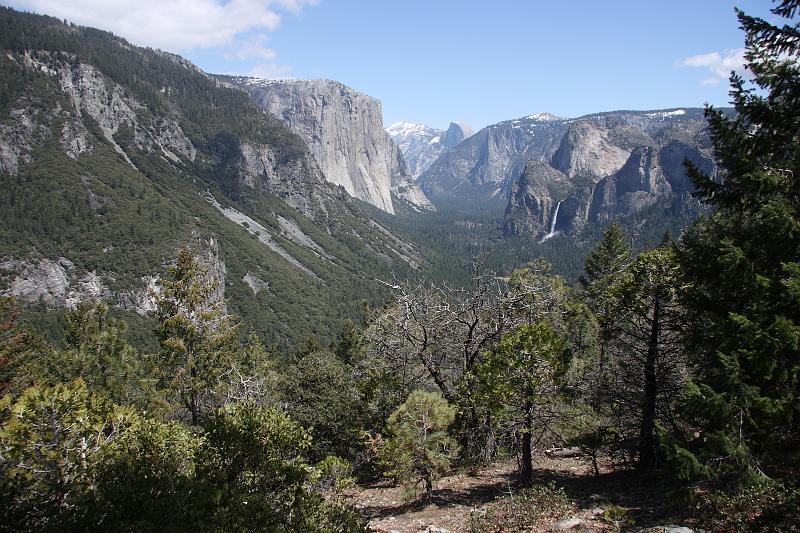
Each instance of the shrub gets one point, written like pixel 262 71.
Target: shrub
pixel 419 449
pixel 758 507
pixel 520 511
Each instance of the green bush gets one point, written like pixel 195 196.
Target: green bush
pixel 520 511
pixel 419 449
pixel 72 461
pixel 765 507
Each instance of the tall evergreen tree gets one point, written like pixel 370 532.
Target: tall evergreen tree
pixel 646 366
pixel 743 267
pixel 604 267
pixel 521 378
pixel 605 264
pixel 197 337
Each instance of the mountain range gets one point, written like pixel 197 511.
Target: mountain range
pixel 421 145
pixel 291 192
pixel 592 168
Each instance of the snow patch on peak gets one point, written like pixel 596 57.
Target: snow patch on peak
pixel 544 117
pixel 405 129
pixel 665 114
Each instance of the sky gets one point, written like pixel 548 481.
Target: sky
pixel 436 61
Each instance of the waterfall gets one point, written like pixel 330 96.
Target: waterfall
pixel 552 224
pixel 555 217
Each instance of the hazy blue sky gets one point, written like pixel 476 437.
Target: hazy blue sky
pixel 435 61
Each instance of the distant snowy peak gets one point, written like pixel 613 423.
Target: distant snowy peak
pixel 421 144
pixel 544 117
pixel 404 130
pixel 666 114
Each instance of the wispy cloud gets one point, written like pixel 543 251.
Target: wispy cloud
pixel 719 65
pixel 254 48
pixel 236 30
pixel 173 25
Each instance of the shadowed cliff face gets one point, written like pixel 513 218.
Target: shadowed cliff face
pixel 609 166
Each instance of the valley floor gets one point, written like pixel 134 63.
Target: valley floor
pixel 637 502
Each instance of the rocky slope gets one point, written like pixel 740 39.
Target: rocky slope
pixel 344 131
pixel 607 166
pixel 421 145
pixel 112 157
pixel 483 166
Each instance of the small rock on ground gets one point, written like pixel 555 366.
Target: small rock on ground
pixel 568 523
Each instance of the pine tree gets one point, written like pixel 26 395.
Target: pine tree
pixel 606 262
pixel 646 365
pixel 97 352
pixel 197 337
pixel 520 378
pixel 743 267
pixel 419 449
pixel 604 267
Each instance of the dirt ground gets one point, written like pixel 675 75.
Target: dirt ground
pixel 391 509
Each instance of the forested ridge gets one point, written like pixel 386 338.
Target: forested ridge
pixel 123 207
pixel 678 363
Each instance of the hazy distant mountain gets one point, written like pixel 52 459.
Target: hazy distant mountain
pixel 483 165
pixel 456 132
pixel 421 145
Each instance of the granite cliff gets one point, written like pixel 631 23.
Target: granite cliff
pixel 607 166
pixel 344 131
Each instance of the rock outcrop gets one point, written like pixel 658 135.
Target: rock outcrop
pixel 342 128
pixel 455 133
pixel 608 166
pixel 53 282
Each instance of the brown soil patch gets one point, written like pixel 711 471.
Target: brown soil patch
pixel 392 509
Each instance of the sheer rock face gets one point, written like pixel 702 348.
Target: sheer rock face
pixel 342 128
pixel 609 166
pixel 455 133
pixel 587 150
pixel 531 203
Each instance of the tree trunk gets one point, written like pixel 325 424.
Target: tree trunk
pixel 193 401
pixel 527 448
pixel 647 445
pixel 193 398
pixel 428 486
